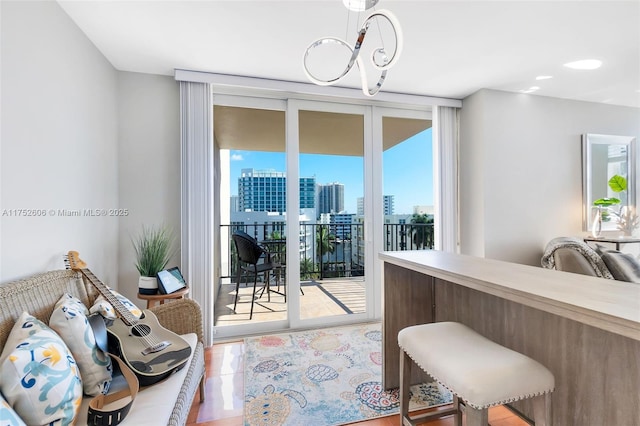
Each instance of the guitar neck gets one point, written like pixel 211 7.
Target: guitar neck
pixel 120 308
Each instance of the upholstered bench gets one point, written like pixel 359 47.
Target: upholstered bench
pixel 479 373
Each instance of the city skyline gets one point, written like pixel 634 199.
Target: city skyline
pixel 407 171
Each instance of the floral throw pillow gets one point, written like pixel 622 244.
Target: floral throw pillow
pixel 69 320
pixel 38 376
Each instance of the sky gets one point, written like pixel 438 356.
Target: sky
pixel 407 171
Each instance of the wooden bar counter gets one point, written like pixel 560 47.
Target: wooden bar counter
pixel 586 330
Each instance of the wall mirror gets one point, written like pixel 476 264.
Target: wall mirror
pixel 604 156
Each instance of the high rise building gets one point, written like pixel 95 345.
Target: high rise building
pixel 330 198
pixel 234 204
pixel 388 204
pixel 341 224
pixel 266 191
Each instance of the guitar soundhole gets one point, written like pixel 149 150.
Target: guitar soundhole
pixel 141 330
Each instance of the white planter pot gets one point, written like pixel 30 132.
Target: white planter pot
pixel 148 285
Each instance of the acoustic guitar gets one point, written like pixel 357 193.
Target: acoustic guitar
pixel 150 350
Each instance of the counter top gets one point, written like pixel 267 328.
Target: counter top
pixel 607 304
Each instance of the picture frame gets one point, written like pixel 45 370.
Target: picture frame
pixel 170 280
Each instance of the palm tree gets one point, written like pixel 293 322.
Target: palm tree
pixel 307 269
pixel 275 235
pixel 422 231
pixel 276 244
pixel 324 243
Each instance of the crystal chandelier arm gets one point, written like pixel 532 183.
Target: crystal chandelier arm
pixel 327 40
pixel 355 54
pixel 397 30
pixel 365 83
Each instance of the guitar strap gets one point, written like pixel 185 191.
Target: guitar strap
pixel 99 417
pixel 96 416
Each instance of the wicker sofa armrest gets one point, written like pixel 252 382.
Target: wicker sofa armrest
pixel 181 316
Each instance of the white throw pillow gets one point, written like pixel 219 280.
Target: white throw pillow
pixel 69 320
pixel 38 376
pixel 8 417
pixel 104 308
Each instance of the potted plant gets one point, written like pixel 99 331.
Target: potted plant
pixel 627 218
pixel 154 249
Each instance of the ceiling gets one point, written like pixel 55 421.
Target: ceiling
pixel 451 48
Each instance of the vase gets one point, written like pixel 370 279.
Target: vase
pixel 596 225
pixel 148 285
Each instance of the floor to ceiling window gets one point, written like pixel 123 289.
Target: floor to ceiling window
pixel 408 196
pixel 331 151
pixel 206 187
pixel 250 136
pixel 322 187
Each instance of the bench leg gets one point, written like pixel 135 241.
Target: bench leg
pixel 477 417
pixel 202 388
pixel 542 410
pixel 457 417
pixel 405 381
pixel 405 396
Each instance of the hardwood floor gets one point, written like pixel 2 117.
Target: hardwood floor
pixel 223 405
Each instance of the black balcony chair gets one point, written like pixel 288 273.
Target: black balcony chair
pixel 253 259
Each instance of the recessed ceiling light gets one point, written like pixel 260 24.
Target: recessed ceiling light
pixel 586 64
pixel 544 77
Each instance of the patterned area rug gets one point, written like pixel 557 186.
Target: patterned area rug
pixel 323 377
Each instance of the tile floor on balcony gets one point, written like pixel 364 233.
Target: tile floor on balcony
pixel 327 297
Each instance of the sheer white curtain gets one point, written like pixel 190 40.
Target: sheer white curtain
pixel 445 138
pixel 197 193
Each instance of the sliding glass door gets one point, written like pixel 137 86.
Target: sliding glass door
pixel 332 255
pixel 315 184
pixel 249 134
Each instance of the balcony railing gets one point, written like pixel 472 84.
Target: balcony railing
pixel 328 250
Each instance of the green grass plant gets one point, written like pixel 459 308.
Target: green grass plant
pixel 154 249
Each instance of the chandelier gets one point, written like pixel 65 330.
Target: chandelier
pixel 381 59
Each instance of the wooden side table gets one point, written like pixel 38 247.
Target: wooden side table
pixel 152 299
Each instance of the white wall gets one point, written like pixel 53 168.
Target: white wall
pixel 58 144
pixel 521 169
pixel 148 164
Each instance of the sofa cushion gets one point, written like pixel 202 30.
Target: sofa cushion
pixel 69 320
pixel 8 417
pixel 623 267
pixel 153 404
pixel 38 375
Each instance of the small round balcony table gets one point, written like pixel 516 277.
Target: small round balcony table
pixel 153 299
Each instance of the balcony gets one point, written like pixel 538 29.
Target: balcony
pixel 331 269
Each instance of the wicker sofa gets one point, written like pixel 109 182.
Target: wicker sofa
pixel 167 402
